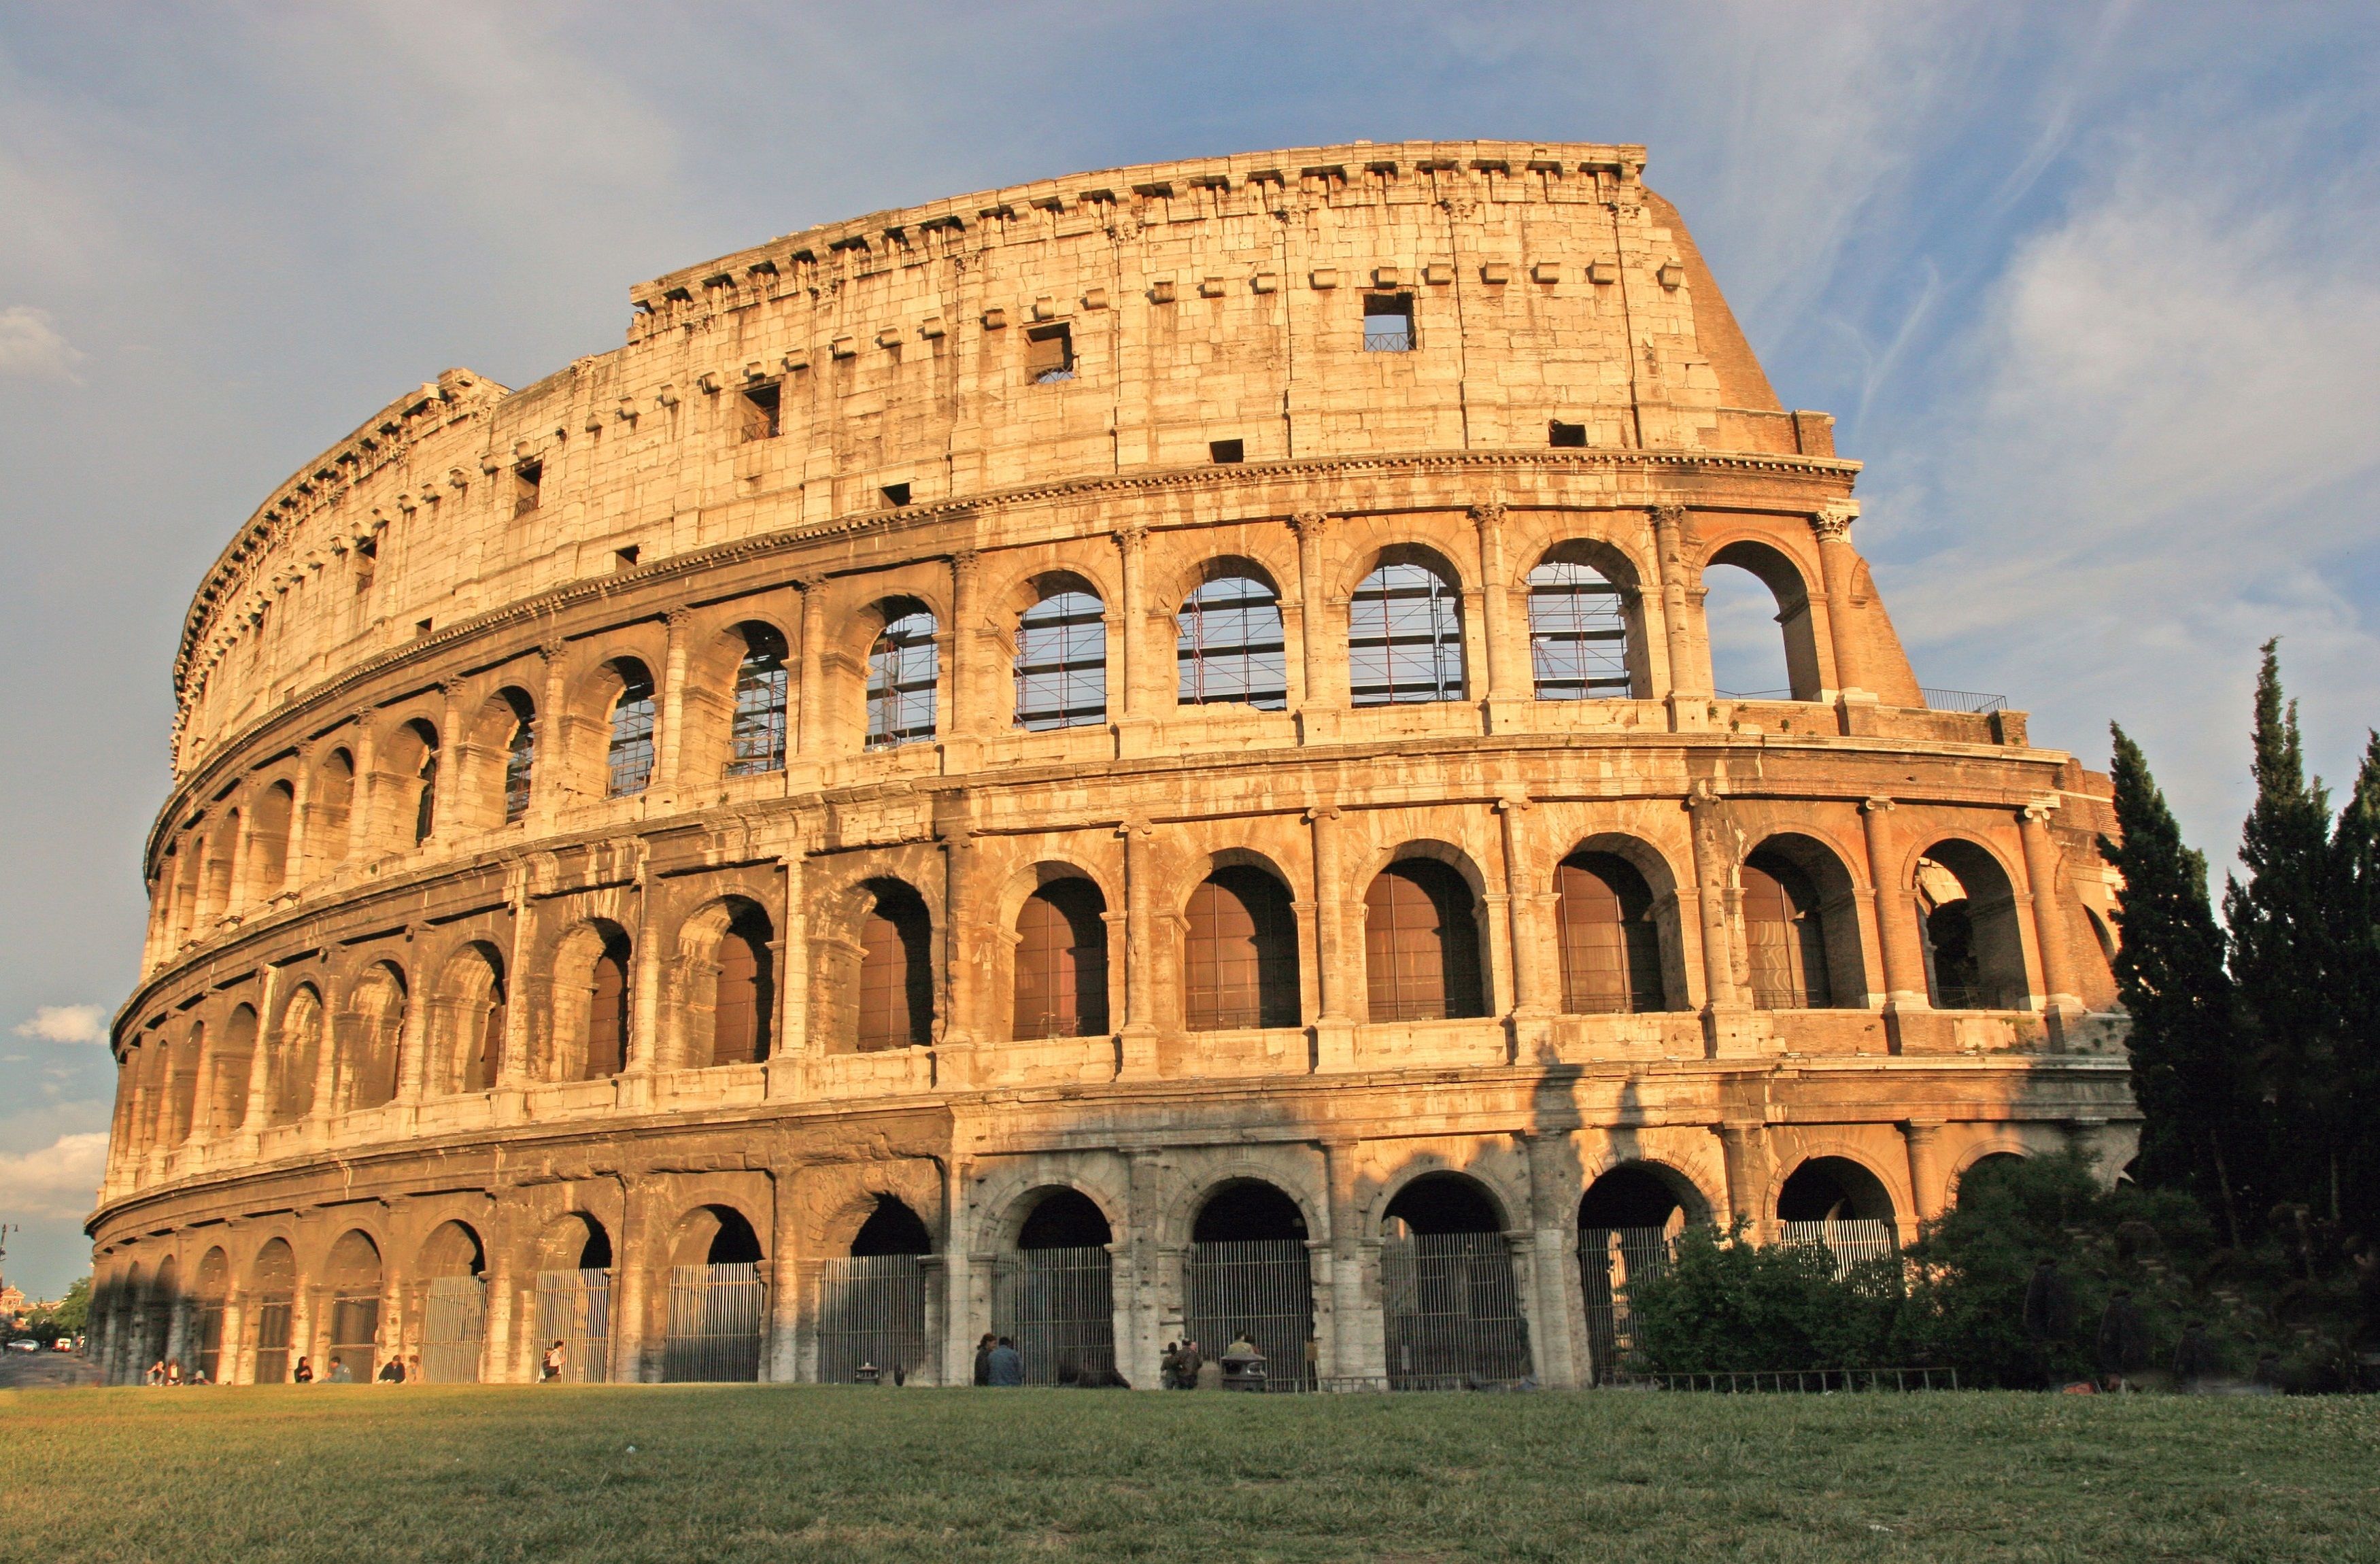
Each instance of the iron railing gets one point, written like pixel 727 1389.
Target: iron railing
pixel 1611 1261
pixel 1262 1288
pixel 1962 701
pixel 1852 1242
pixel 575 1308
pixel 1451 1307
pixel 715 1314
pixel 1806 1381
pixel 1058 1306
pixel 872 1314
pixel 453 1326
pixel 272 1329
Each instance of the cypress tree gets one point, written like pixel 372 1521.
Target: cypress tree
pixel 2283 958
pixel 2199 1132
pixel 2354 906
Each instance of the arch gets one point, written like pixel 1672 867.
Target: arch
pixel 366 1068
pixel 1248 1210
pixel 409 762
pixel 1997 1159
pixel 1584 631
pixel 1247 1276
pixel 905 668
pixel 1404 631
pixel 1450 1295
pixel 210 1289
pixel 1834 1188
pixel 1240 957
pixel 451 1249
pixel 717 1233
pixel 216 891
pixel 296 1055
pixel 894 1003
pixel 273 1290
pixel 500 758
pixel 1800 926
pixel 1231 646
pixel 228 1070
pixel 1741 647
pixel 728 965
pixel 354 1277
pixel 452 1266
pixel 892 1229
pixel 1061 1216
pixel 1061 987
pixel 1438 1201
pixel 329 809
pixel 628 751
pixel 1061 657
pixel 574 1241
pixel 182 1083
pixel 268 840
pixel 1968 924
pixel 1640 1193
pixel 592 995
pixel 1610 940
pixel 756 731
pixel 1422 943
pixel 474 1012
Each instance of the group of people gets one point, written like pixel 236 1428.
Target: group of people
pixel 168 1371
pixel 999 1365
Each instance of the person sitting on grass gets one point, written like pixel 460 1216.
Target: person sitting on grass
pixel 340 1373
pixel 173 1373
pixel 557 1359
pixel 1005 1368
pixel 391 1373
pixel 156 1374
pixel 983 1358
pixel 305 1372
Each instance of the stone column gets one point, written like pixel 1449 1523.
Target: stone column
pixel 633 1265
pixel 236 896
pixel 1505 673
pixel 1689 676
pixel 1838 563
pixel 363 812
pixel 1324 655
pixel 953 824
pixel 643 1049
pixel 1530 991
pixel 970 708
pixel 258 1110
pixel 1137 1353
pixel 505 1306
pixel 1896 912
pixel 1742 1147
pixel 516 1069
pixel 1336 968
pixel 294 875
pixel 2048 918
pixel 1557 1309
pixel 810 708
pixel 1140 1024
pixel 1713 858
pixel 1925 1172
pixel 1359 1349
pixel 670 752
pixel 780 1357
pixel 446 786
pixel 1133 659
pixel 549 775
pixel 413 1035
pixel 235 1359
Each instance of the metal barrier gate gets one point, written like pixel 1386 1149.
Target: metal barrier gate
pixel 1264 1287
pixel 273 1325
pixel 1452 1309
pixel 575 1308
pixel 355 1337
pixel 454 1325
pixel 1609 1261
pixel 1851 1241
pixel 1058 1306
pixel 871 1309
pixel 207 1360
pixel 715 1314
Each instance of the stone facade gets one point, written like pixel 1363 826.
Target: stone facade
pixel 402 846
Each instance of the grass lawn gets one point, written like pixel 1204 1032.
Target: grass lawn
pixel 752 1472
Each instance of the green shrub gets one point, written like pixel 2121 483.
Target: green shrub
pixel 1727 1304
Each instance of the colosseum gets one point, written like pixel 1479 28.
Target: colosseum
pixel 1128 758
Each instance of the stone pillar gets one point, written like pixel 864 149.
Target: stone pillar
pixel 1335 967
pixel 1895 913
pixel 2049 922
pixel 970 706
pixel 1743 1148
pixel 236 896
pixel 1926 1187
pixel 516 1069
pixel 1137 1353
pixel 1135 659
pixel 548 775
pixel 810 708
pixel 1530 990
pixel 1140 937
pixel 1324 654
pixel 1713 858
pixel 1837 565
pixel 1555 1307
pixel 363 808
pixel 1359 1347
pixel 670 752
pixel 445 788
pixel 235 1359
pixel 643 1049
pixel 961 1279
pixel 1506 674
pixel 633 1268
pixel 955 1032
pixel 413 1035
pixel 258 1109
pixel 780 1355
pixel 1689 675
pixel 505 1307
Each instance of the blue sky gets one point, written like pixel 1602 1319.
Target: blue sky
pixel 2092 290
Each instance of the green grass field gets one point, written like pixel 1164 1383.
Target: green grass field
pixel 737 1472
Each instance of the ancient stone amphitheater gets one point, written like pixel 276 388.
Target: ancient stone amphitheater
pixel 1123 758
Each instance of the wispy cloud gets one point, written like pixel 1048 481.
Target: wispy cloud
pixel 66 1024
pixel 32 346
pixel 58 1181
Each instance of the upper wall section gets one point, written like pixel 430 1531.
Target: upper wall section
pixel 906 359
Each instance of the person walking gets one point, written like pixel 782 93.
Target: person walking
pixel 1005 1368
pixel 557 1359
pixel 983 1358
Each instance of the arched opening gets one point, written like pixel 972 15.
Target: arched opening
pixel 717 1301
pixel 1627 1222
pixel 1753 592
pixel 268 842
pixel 164 1291
pixel 872 1304
pixel 604 1027
pixel 1610 944
pixel 1062 962
pixel 1062 661
pixel 905 668
pixel 453 1267
pixel 1986 1170
pixel 297 1056
pixel 367 1066
pixel 1800 928
pixel 574 1302
pixel 272 1288
pixel 508 725
pixel 1421 944
pixel 1404 635
pixel 1449 1300
pixel 228 1067
pixel 1968 921
pixel 355 1278
pixel 895 1002
pixel 1240 953
pixel 1053 1296
pixel 744 992
pixel 1836 1202
pixel 628 754
pixel 477 1013
pixel 1231 647
pixel 223 851
pixel 410 762
pixel 757 736
pixel 1578 632
pixel 214 1288
pixel 182 1083
pixel 1248 1274
pixel 328 809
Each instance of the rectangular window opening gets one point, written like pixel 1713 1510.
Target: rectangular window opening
pixel 1225 452
pixel 526 479
pixel 1388 322
pixel 1564 436
pixel 1049 354
pixel 421 627
pixel 760 412
pixel 623 558
pixel 895 494
pixel 366 557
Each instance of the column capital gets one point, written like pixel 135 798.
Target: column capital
pixel 1669 514
pixel 2039 810
pixel 964 561
pixel 1514 804
pixel 1130 540
pixel 676 618
pixel 1702 795
pixel 1833 522
pixel 1487 515
pixel 1879 804
pixel 552 650
pixel 1309 525
pixel 1321 812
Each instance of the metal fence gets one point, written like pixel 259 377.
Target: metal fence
pixel 454 1325
pixel 208 1357
pixel 1852 1242
pixel 273 1324
pixel 1264 1289
pixel 575 1308
pixel 871 1312
pixel 1452 1311
pixel 1806 1381
pixel 1961 700
pixel 1058 1306
pixel 715 1314
pixel 1609 1261
pixel 355 1337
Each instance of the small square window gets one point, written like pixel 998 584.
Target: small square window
pixel 526 479
pixel 895 494
pixel 1224 452
pixel 623 558
pixel 759 410
pixel 421 627
pixel 1388 322
pixel 1049 354
pixel 1562 435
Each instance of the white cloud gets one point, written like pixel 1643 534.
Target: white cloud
pixel 32 347
pixel 59 1180
pixel 66 1024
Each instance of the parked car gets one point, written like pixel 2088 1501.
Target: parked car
pixel 24 1345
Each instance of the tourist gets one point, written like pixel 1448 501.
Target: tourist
pixel 199 1376
pixel 1004 1369
pixel 391 1373
pixel 1168 1365
pixel 156 1374
pixel 2122 1338
pixel 305 1372
pixel 173 1373
pixel 983 1358
pixel 340 1373
pixel 557 1358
